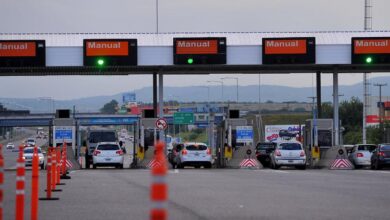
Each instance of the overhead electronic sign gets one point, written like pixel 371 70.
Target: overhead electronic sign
pixel 300 50
pixel 22 53
pixel 370 50
pixel 192 51
pixel 110 52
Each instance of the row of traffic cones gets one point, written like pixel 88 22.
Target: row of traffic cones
pixel 56 170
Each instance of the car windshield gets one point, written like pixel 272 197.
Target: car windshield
pixel 366 147
pixel 385 147
pixel 31 150
pixel 108 147
pixel 265 146
pixel 30 140
pixel 290 146
pixel 196 147
pixel 96 137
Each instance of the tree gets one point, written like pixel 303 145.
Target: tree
pixel 351 114
pixel 327 110
pixel 110 107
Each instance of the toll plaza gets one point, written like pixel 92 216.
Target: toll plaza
pixel 196 53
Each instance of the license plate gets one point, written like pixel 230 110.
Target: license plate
pixel 196 154
pixel 290 161
pixel 108 159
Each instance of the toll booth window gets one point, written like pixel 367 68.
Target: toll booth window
pixel 196 147
pixel 108 147
pixel 324 138
pixel 367 147
pixel 290 146
pixel 265 146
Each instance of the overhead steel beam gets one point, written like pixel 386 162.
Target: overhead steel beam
pixel 194 69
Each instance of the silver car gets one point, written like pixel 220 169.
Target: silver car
pixel 193 154
pixel 361 155
pixel 288 153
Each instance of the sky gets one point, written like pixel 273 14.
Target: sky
pixel 92 16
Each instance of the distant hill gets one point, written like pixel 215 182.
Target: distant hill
pixel 250 93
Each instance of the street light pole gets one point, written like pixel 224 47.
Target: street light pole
pixel 210 127
pixel 236 78
pixel 380 85
pixel 215 81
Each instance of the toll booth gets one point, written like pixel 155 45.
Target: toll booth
pixel 64 129
pixel 147 135
pixel 325 137
pixel 324 131
pixel 234 138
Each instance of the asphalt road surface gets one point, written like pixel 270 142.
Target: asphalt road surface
pixel 215 194
pixel 10 156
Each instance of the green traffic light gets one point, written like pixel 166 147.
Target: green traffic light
pixel 369 60
pixel 190 61
pixel 100 62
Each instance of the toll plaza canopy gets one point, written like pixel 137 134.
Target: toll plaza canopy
pixel 65 53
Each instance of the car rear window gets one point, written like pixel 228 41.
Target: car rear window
pixel 290 146
pixel 265 146
pixel 366 147
pixel 108 147
pixel 385 147
pixel 31 150
pixel 196 147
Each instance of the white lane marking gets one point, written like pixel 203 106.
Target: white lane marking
pixel 272 171
pixel 173 171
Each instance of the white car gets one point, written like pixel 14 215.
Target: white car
pixel 194 154
pixel 28 156
pixel 361 154
pixel 288 153
pixel 10 146
pixel 108 154
pixel 31 142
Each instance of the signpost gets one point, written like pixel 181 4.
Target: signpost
pixel 370 50
pixel 244 134
pixel 183 118
pixel 289 50
pixel 161 124
pixel 206 50
pixel 110 52
pixel 22 53
pixel 63 133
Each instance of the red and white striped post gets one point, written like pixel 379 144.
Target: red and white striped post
pixel 48 176
pixel 1 181
pixel 20 174
pixel 53 169
pixel 159 188
pixel 64 158
pixel 54 165
pixel 64 162
pixel 35 185
pixel 58 156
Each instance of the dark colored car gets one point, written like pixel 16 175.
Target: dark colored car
pixel 263 151
pixel 380 157
pixel 173 153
